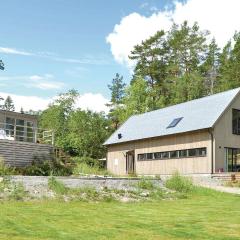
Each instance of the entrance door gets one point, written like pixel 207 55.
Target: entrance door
pixel 130 163
pixel 233 159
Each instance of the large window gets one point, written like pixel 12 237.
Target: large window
pixel 193 152
pixel 20 130
pixel 236 121
pixel 10 123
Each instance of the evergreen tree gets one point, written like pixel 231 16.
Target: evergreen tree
pixel 117 89
pixel 1 65
pixel 210 68
pixel 8 104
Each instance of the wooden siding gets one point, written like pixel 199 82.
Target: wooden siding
pixel 116 161
pixel 20 154
pixel 223 136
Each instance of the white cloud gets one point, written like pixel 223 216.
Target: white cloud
pixel 222 18
pixel 95 102
pixel 43 82
pixel 14 51
pixel 91 101
pixel 92 60
pixel 27 102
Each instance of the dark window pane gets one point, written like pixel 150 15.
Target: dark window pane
pixel 174 122
pixel 165 155
pixel 149 155
pixel 183 153
pixel 141 157
pixel 157 155
pixel 173 154
pixel 236 121
pixel 202 152
pixel 192 152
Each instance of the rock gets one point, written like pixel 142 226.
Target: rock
pixel 144 194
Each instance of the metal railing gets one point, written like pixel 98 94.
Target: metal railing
pixel 25 133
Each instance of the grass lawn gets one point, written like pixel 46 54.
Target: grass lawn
pixel 203 215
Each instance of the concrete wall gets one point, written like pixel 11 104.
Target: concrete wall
pixel 223 136
pixel 116 160
pixel 20 154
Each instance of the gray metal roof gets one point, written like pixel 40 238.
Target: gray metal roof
pixel 197 114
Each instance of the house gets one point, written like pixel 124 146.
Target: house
pixel 21 141
pixel 201 136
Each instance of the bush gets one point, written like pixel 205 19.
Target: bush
pixel 5 169
pixel 57 186
pixel 18 192
pixel 179 183
pixel 145 184
pixel 86 165
pixel 47 168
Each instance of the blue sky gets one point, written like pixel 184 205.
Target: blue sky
pixel 52 46
pixel 64 29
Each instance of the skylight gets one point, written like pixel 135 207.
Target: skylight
pixel 174 122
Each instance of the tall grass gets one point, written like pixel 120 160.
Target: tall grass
pixel 179 183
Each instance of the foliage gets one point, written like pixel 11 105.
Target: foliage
pixel 117 89
pixel 1 65
pixel 18 192
pixel 46 168
pixel 77 132
pixel 57 186
pixel 146 184
pixel 86 165
pixel 8 104
pixel 179 183
pixel 5 169
pixel 175 66
pixel 87 131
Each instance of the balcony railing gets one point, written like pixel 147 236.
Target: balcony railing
pixel 26 134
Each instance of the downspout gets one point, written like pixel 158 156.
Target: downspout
pixel 212 163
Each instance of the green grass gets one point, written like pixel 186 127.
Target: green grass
pixel 205 214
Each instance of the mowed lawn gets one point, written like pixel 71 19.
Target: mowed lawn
pixel 204 215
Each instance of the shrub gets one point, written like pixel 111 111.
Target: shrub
pixel 57 186
pixel 145 184
pixel 47 168
pixel 179 183
pixel 17 192
pixel 86 165
pixel 5 169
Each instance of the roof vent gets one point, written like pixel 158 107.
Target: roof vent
pixel 174 122
pixel 119 136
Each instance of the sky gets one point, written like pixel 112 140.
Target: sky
pixel 49 47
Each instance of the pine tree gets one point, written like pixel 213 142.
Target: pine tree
pixel 117 89
pixel 8 104
pixel 1 65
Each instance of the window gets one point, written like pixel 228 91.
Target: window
pixel 157 155
pixel 174 122
pixel 202 152
pixel 236 121
pixel 192 152
pixel 183 153
pixel 165 155
pixel 149 155
pixel 10 122
pixel 141 157
pixel 174 154
pixel 30 132
pixel 20 130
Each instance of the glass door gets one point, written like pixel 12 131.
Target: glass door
pixel 233 159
